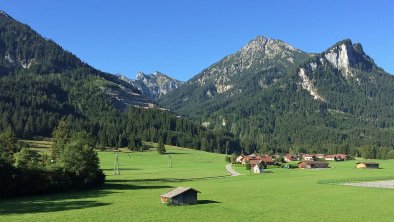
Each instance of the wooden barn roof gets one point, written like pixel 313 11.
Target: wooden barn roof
pixel 368 163
pixel 313 162
pixel 178 191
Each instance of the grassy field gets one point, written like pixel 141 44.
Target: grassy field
pixel 279 195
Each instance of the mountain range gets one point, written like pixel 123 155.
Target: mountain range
pixel 276 97
pixel 268 96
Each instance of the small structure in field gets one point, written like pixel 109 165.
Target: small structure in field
pixel 313 164
pixel 367 165
pixel 257 169
pixel 180 196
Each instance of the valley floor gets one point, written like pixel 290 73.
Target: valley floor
pixel 277 195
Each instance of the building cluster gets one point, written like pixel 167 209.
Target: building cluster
pixel 306 161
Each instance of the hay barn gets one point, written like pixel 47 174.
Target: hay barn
pixel 180 196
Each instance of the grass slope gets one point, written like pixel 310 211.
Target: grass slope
pixel 280 195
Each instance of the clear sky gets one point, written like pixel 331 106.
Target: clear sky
pixel 182 37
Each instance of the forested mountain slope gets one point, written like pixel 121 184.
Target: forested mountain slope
pixel 40 83
pixel 278 98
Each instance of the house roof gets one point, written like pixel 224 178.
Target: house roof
pixel 314 162
pixel 368 163
pixel 343 156
pixel 178 191
pixel 308 155
pixel 254 162
pixel 267 159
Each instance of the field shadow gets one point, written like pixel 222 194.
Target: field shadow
pixel 173 153
pixel 24 207
pixel 207 202
pixel 175 180
pixel 122 186
pixel 67 201
pixel 53 202
pixel 121 168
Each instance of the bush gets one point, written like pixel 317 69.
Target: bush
pixel 161 148
pixel 227 159
pixel 247 165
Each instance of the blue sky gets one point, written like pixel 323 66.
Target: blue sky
pixel 182 37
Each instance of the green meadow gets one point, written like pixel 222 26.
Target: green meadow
pixel 277 195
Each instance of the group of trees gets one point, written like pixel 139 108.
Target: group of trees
pixel 72 164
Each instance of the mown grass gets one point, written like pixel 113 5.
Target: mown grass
pixel 282 195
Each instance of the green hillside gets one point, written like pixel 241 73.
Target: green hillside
pixel 279 195
pixel 41 83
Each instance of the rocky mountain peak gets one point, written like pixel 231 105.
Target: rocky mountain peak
pixel 153 85
pixel 140 75
pixel 4 13
pixel 345 55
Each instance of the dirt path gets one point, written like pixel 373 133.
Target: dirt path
pixel 230 169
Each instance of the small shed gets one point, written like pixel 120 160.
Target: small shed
pixel 257 169
pixel 367 165
pixel 312 164
pixel 180 196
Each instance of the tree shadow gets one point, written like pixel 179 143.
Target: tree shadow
pixel 207 202
pixel 175 180
pixel 121 168
pixel 24 207
pixel 173 153
pixel 66 201
pixel 121 186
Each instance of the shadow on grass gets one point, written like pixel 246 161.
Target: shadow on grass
pixel 122 186
pixel 207 202
pixel 24 207
pixel 173 153
pixel 166 179
pixel 121 168
pixel 66 201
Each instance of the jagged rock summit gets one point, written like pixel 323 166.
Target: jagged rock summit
pixel 153 85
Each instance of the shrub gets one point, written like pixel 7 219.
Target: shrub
pixel 247 165
pixel 161 148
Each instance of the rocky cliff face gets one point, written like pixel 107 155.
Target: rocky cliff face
pixel 155 85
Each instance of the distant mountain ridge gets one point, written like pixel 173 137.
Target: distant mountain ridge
pixel 155 85
pixel 275 96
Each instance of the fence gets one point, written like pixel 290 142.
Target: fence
pixel 376 182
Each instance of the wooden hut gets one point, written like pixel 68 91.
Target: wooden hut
pixel 312 164
pixel 367 165
pixel 180 196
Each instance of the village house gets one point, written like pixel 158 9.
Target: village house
pixel 367 165
pixel 307 164
pixel 336 157
pixel 180 196
pixel 256 166
pixel 319 156
pixel 267 160
pixel 289 158
pixel 239 159
pixel 249 158
pixel 309 157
